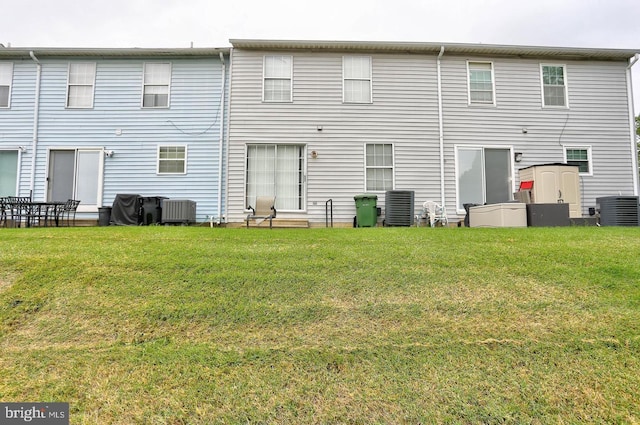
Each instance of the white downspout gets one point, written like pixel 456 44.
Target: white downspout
pixel 632 122
pixel 221 142
pixel 36 116
pixel 226 153
pixel 441 129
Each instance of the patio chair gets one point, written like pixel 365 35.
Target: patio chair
pixel 435 213
pixel 265 209
pixel 4 208
pixel 20 209
pixel 69 209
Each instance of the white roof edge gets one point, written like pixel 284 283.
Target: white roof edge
pixel 433 47
pixel 112 52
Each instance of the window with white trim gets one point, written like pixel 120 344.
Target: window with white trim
pixel 580 156
pixel 80 85
pixel 379 167
pixel 6 78
pixel 481 83
pixel 156 85
pixel 554 85
pixel 276 170
pixel 356 84
pixel 277 78
pixel 172 159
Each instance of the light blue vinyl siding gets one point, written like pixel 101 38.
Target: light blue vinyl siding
pixel 193 120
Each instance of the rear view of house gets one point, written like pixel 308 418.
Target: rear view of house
pixel 313 121
pixel 89 124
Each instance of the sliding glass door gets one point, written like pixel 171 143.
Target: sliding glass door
pixel 276 170
pixel 8 172
pixel 484 175
pixel 75 174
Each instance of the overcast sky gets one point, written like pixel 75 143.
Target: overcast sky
pixel 211 23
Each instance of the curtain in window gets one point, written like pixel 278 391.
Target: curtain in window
pixel 275 170
pixel 288 177
pixel 357 79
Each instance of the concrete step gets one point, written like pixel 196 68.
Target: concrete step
pixel 283 223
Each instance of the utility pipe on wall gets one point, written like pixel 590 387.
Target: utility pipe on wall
pixel 441 129
pixel 221 143
pixel 36 115
pixel 632 124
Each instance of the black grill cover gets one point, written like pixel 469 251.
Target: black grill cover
pixel 126 210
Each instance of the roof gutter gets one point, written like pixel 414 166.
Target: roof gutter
pixel 221 141
pixel 632 124
pixel 36 117
pixel 441 128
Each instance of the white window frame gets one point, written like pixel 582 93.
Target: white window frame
pixel 345 79
pixel 159 160
pixel 7 81
pixel 265 78
pixel 302 170
pixel 392 167
pixel 167 84
pixel 589 156
pixel 566 85
pixel 493 84
pixel 70 85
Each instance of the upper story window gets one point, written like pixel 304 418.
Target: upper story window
pixel 157 81
pixel 580 156
pixel 80 85
pixel 172 159
pixel 277 78
pixel 481 89
pixel 6 78
pixel 379 167
pixel 356 86
pixel 554 85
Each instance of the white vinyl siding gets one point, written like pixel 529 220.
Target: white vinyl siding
pixel 156 85
pixel 277 78
pixel 172 159
pixel 6 78
pixel 81 81
pixel 580 156
pixel 276 170
pixel 481 87
pixel 554 85
pixel 357 79
pixel 379 167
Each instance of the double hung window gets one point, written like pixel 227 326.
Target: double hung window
pixel 554 86
pixel 157 81
pixel 80 85
pixel 172 159
pixel 379 167
pixel 6 78
pixel 580 156
pixel 481 83
pixel 356 71
pixel 277 78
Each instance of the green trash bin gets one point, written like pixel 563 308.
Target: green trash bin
pixel 366 210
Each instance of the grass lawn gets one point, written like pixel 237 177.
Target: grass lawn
pixel 177 325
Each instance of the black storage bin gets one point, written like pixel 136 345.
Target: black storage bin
pixel 548 215
pixel 151 209
pixel 104 216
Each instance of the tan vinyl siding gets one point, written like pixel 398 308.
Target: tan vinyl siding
pixel 403 113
